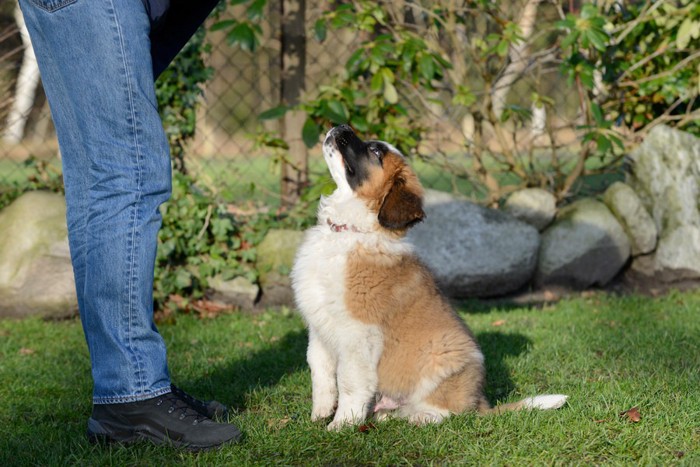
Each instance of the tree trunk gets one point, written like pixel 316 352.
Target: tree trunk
pixel 295 166
pixel 27 82
pixel 518 56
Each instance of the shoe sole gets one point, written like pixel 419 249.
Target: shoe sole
pixel 98 434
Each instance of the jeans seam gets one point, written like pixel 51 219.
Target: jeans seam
pixel 131 270
pixel 51 7
pixel 132 398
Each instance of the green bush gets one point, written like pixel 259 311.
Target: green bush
pixel 630 65
pixel 197 241
pixel 646 54
pixel 41 175
pixel 178 91
pixel 202 237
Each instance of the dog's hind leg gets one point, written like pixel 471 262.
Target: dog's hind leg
pixel 423 413
pixel 323 378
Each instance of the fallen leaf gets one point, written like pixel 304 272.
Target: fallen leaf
pixel 367 427
pixel 25 351
pixel 499 322
pixel 210 309
pixel 549 296
pixel 164 315
pixel 178 300
pixel 278 424
pixel 632 415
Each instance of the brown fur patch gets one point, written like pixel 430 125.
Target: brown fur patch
pixel 424 340
pixel 394 192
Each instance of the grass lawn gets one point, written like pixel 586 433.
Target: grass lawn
pixel 608 353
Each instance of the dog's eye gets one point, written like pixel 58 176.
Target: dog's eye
pixel 376 150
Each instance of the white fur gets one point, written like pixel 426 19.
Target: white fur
pixel 343 352
pixel 545 402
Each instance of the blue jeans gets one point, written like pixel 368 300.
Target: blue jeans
pixel 96 67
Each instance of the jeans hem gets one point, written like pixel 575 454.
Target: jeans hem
pixel 132 398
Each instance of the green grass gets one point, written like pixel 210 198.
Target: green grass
pixel 608 353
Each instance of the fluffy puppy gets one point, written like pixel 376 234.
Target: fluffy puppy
pixel 382 338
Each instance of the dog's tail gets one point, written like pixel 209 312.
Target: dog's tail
pixel 543 402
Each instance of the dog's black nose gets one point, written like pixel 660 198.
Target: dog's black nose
pixel 343 134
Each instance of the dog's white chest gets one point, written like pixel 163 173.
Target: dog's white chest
pixel 318 276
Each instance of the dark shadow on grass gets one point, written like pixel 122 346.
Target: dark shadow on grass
pixel 496 347
pixel 231 383
pixel 477 306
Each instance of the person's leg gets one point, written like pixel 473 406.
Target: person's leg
pixel 94 58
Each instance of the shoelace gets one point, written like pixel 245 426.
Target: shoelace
pixel 179 405
pixel 194 403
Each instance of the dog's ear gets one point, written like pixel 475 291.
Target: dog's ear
pixel 402 206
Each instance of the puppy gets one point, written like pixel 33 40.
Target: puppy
pixel 382 338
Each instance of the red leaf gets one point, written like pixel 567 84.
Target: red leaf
pixel 367 427
pixel 209 309
pixel 632 415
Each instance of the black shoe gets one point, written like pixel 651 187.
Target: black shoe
pixel 166 419
pixel 212 409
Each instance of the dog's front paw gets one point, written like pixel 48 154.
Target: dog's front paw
pixel 337 425
pixel 320 413
pixel 345 418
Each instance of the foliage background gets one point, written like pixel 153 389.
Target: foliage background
pixel 582 82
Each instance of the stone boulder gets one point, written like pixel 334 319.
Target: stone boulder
pixel 275 258
pixel 474 251
pixel 585 246
pixel 626 206
pixel 534 206
pixel 36 276
pixel 238 292
pixel 665 173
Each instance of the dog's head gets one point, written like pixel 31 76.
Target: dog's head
pixel 377 173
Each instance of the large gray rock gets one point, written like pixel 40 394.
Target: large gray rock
pixel 626 206
pixel 474 251
pixel 585 246
pixel 666 174
pixel 36 276
pixel 535 206
pixel 275 258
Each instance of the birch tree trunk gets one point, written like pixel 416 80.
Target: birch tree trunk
pixel 27 81
pixel 518 56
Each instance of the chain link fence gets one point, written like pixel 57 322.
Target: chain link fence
pixel 224 154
